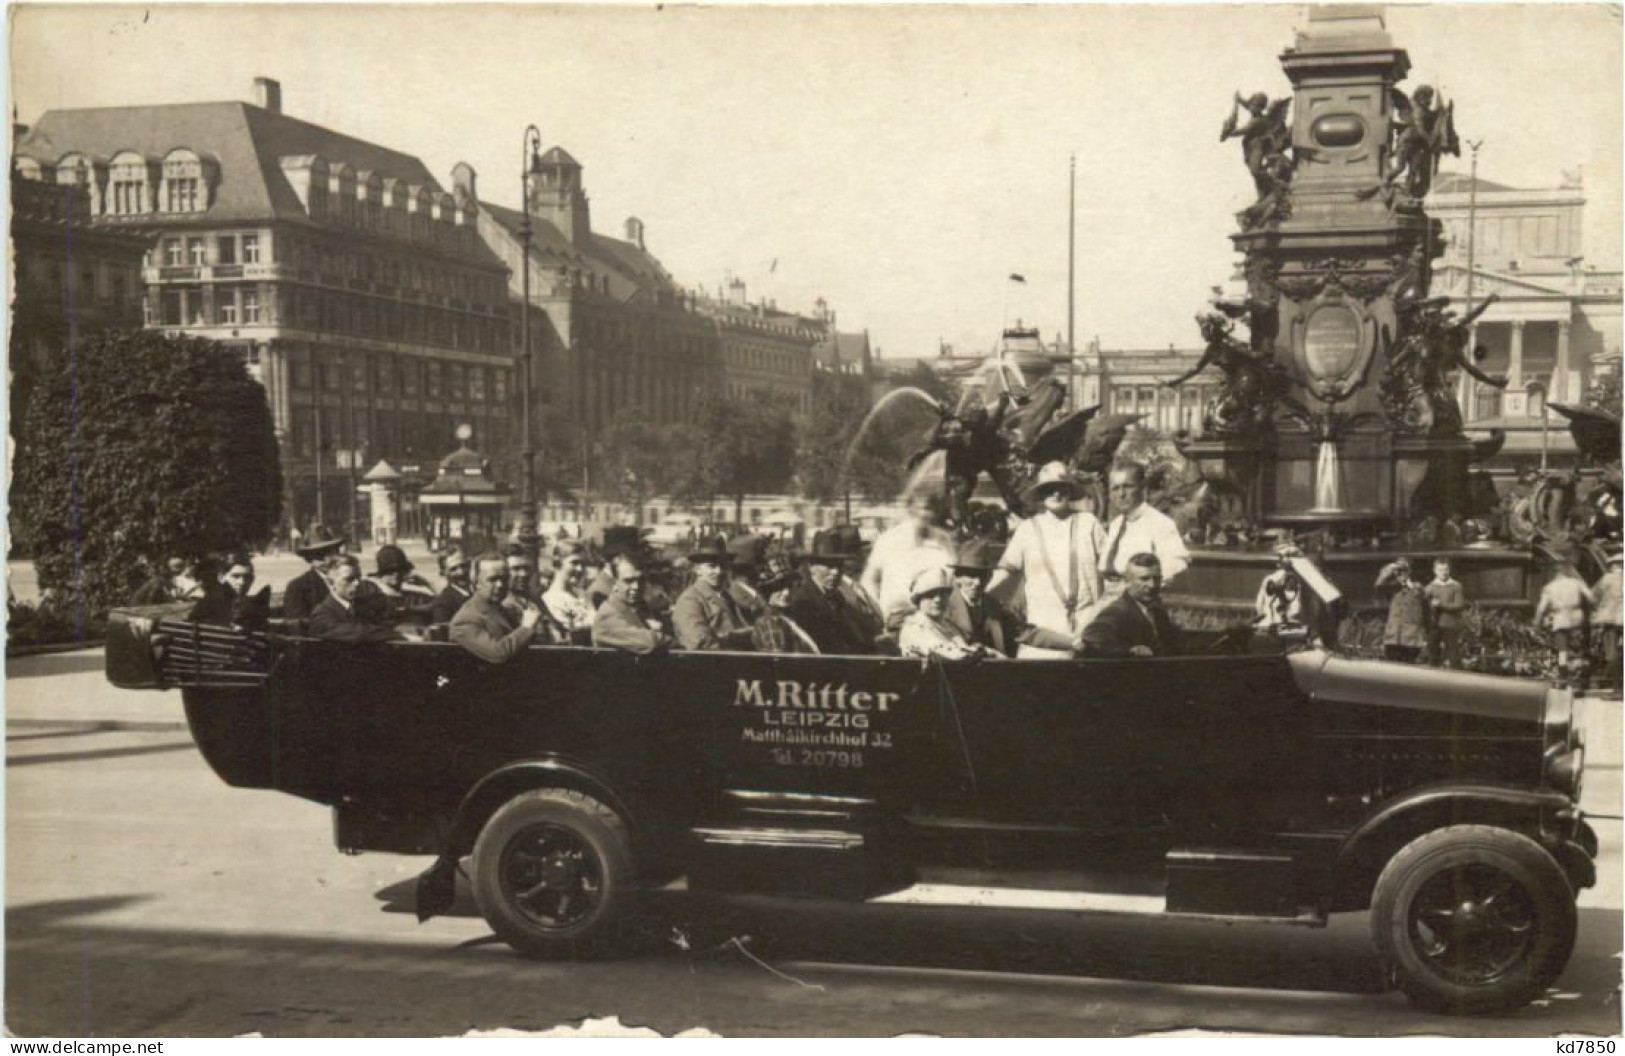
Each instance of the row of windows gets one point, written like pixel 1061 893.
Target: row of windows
pixel 1544 235
pixel 766 359
pixel 192 251
pixel 388 434
pixel 225 304
pixel 339 200
pixel 334 261
pixel 407 376
pixel 1162 410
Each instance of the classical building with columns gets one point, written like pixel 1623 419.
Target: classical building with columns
pixel 354 286
pixel 1556 325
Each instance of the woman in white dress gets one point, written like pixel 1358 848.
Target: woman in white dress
pixel 1056 552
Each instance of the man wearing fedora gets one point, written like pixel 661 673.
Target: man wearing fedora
pixel 776 631
pixel 818 605
pixel 980 618
pixel 618 539
pixel 1138 528
pixel 393 588
pixel 320 549
pixel 1056 552
pixel 454 566
pixel 706 616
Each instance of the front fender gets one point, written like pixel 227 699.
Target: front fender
pixel 511 779
pixel 1366 850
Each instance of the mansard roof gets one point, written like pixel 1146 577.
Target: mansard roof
pixel 248 142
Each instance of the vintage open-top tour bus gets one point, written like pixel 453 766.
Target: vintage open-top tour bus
pixel 1281 788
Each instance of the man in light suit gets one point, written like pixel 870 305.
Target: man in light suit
pixel 706 615
pixel 1135 624
pixel 622 621
pixel 483 626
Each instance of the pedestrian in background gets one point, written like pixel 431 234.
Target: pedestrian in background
pixel 1565 607
pixel 1608 619
pixel 1447 600
pixel 1406 633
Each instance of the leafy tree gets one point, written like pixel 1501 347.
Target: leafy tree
pixel 137 447
pixel 745 445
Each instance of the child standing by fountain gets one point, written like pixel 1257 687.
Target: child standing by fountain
pixel 1447 600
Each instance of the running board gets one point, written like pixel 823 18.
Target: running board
pixel 967 896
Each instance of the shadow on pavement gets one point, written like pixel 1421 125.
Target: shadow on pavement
pixel 57 664
pixel 97 754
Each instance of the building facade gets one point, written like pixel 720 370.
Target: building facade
pixel 763 350
pixel 355 287
pixel 613 330
pixel 71 279
pixel 1556 325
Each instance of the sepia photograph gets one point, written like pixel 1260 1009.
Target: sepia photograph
pixel 756 520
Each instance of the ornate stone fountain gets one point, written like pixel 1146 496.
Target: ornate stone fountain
pixel 1335 415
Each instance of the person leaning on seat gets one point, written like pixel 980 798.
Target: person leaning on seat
pixel 706 615
pixel 483 626
pixel 1135 624
pixel 337 619
pixel 622 622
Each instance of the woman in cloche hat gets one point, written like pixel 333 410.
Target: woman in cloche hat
pixel 927 631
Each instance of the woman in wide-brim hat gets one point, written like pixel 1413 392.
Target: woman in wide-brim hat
pixel 1056 552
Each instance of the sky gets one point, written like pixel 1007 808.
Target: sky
pixel 900 162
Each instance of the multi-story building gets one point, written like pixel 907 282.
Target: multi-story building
pixel 1556 325
pixel 837 351
pixel 355 287
pixel 763 349
pixel 71 279
pixel 616 332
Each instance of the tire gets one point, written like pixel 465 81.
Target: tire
pixel 553 873
pixel 1472 919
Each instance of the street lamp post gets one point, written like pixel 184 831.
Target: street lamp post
pixel 530 163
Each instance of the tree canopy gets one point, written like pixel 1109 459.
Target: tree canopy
pixel 137 447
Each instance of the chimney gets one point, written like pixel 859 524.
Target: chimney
pixel 268 94
pixel 634 231
pixel 465 182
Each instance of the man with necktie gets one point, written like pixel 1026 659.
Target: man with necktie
pixel 1138 528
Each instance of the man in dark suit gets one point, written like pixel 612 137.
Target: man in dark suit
pixel 818 606
pixel 483 625
pixel 227 602
pixel 980 618
pixel 454 566
pixel 336 618
pixel 1135 624
pixel 320 549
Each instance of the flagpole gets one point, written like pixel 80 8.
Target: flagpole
pixel 1071 257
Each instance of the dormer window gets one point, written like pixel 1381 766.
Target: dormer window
pixel 185 183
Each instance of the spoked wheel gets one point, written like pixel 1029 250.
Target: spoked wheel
pixel 1474 919
pixel 553 872
pixel 551 875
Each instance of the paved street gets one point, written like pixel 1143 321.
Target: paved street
pixel 144 897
